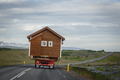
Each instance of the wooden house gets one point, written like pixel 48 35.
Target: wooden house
pixel 45 43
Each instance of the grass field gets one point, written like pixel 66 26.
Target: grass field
pixel 65 61
pixel 113 59
pixel 14 57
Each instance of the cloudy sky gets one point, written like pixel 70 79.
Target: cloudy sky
pixel 89 24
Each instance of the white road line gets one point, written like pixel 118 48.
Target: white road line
pixel 61 73
pixel 64 76
pixel 20 74
pixel 57 70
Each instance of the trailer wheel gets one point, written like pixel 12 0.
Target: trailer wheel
pixel 53 66
pixel 49 67
pixel 35 65
pixel 39 66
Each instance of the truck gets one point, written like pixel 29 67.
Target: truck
pixel 45 47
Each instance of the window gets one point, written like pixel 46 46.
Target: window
pixel 44 43
pixel 50 44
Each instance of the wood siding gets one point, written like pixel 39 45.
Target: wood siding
pixel 53 51
pixel 35 47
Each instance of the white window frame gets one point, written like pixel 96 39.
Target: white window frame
pixel 51 44
pixel 43 42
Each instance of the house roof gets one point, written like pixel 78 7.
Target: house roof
pixel 45 28
pixel 35 37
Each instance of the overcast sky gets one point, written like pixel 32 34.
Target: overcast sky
pixel 88 24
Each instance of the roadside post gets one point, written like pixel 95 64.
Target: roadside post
pixel 24 62
pixel 59 63
pixel 68 68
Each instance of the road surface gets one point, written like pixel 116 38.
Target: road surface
pixel 28 72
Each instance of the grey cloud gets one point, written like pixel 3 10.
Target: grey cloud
pixel 64 13
pixel 72 19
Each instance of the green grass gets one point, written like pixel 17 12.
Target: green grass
pixel 14 57
pixel 65 61
pixel 78 58
pixel 101 69
pixel 114 58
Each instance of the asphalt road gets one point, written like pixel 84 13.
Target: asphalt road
pixel 28 72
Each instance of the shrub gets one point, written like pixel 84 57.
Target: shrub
pixel 77 57
pixel 65 53
pixel 88 64
pixel 66 57
pixel 86 55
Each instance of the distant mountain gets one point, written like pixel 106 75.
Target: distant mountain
pixel 1 42
pixel 72 48
pixel 13 45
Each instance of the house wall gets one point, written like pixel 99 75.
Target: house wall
pixel 53 51
pixel 35 47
